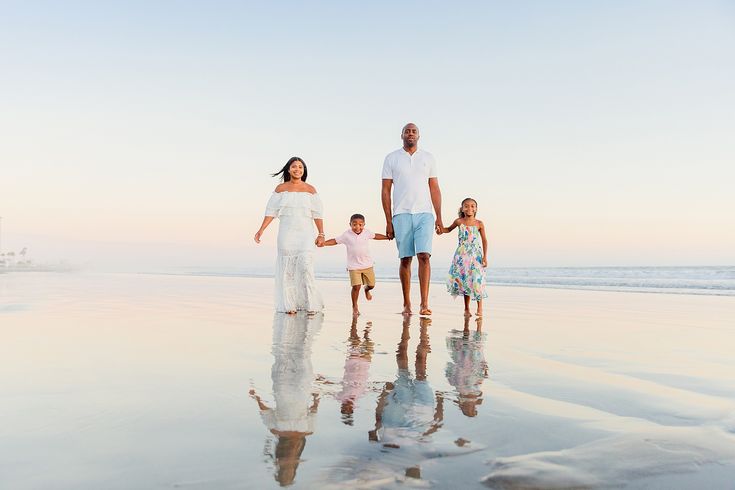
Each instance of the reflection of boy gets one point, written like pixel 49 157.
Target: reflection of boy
pixel 359 260
pixel 357 367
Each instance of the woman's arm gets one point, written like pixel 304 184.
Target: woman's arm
pixel 484 244
pixel 319 222
pixel 266 221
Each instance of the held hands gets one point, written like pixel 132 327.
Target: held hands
pixel 319 242
pixel 389 231
pixel 439 226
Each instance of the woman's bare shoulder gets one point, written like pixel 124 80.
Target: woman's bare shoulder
pixel 310 188
pixel 280 187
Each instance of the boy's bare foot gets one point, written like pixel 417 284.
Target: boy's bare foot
pixel 368 294
pixel 478 314
pixel 425 310
pixel 467 313
pixel 355 311
pixel 407 310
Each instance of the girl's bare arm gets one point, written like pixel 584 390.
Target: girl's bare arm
pixel 330 242
pixel 378 236
pixel 454 224
pixel 484 243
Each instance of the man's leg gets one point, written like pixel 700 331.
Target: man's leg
pixel 423 226
pixel 424 277
pixel 403 228
pixel 404 272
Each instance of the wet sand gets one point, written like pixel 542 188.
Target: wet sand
pixel 140 381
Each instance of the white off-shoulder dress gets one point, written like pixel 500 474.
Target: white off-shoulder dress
pixel 295 281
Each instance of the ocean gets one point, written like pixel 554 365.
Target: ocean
pixel 702 280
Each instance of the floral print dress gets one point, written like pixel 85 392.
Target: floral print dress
pixel 466 274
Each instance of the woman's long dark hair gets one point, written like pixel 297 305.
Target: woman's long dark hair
pixel 285 176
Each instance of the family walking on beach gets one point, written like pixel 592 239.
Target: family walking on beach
pixel 411 201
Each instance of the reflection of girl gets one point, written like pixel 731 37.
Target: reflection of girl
pixel 292 417
pixel 357 367
pixel 298 207
pixel 467 369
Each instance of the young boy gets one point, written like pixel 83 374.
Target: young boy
pixel 359 261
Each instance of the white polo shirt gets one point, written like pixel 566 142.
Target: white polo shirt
pixel 410 174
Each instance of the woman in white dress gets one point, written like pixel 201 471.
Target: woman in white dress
pixel 298 207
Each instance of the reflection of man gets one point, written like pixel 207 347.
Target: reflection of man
pixel 408 410
pixel 411 173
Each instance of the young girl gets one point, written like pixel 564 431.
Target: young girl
pixel 467 272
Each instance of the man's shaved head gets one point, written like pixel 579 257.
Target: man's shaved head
pixel 410 136
pixel 412 125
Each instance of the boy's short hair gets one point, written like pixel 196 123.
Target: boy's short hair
pixel 356 216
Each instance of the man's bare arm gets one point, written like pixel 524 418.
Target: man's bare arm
pixel 436 201
pixel 385 198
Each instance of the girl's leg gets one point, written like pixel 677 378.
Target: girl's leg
pixel 355 293
pixel 479 307
pixel 467 306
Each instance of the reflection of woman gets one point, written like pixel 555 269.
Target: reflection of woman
pixel 296 204
pixel 467 369
pixel 292 417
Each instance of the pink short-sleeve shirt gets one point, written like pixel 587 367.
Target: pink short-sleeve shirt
pixel 358 248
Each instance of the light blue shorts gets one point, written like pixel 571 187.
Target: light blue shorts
pixel 413 233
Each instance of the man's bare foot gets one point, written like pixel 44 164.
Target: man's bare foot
pixel 355 311
pixel 467 313
pixel 291 312
pixel 424 310
pixel 407 310
pixel 368 294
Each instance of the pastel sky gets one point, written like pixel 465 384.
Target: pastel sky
pixel 142 134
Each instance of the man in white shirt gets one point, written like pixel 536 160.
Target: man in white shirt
pixel 411 174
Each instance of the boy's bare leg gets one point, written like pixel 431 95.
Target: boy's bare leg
pixel 404 273
pixel 467 306
pixel 368 295
pixel 355 293
pixel 424 277
pixel 479 307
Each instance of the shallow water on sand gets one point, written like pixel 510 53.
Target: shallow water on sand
pixel 140 381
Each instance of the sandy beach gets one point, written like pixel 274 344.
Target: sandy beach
pixel 151 381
